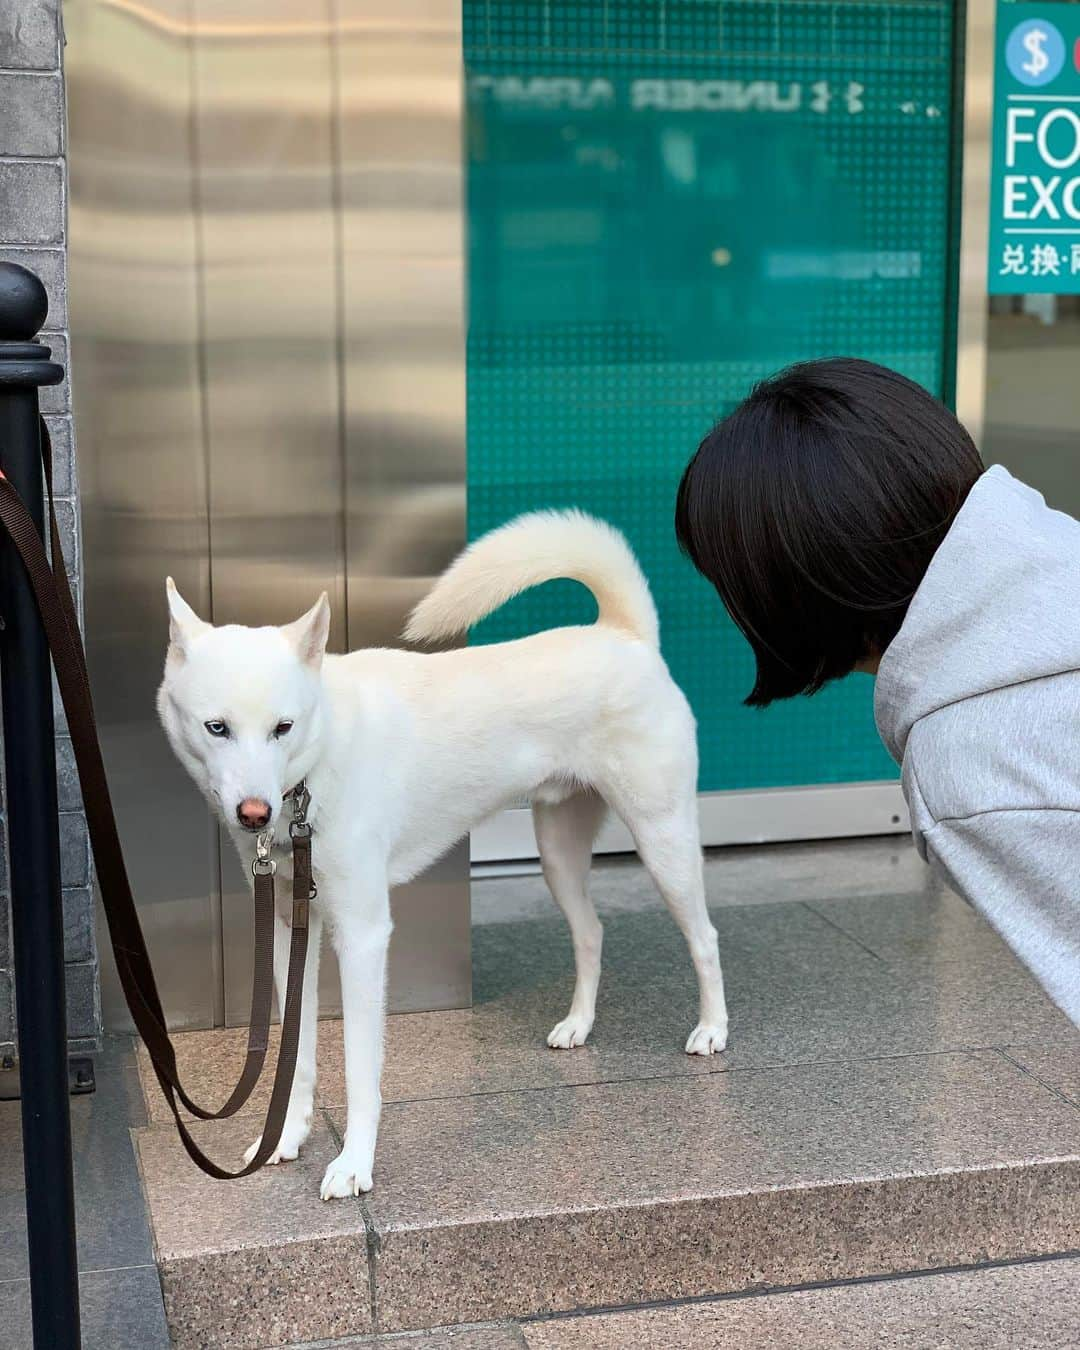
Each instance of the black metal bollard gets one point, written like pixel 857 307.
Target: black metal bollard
pixel 33 836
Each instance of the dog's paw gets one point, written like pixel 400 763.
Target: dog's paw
pixel 569 1032
pixel 345 1176
pixel 289 1145
pixel 707 1039
pixel 286 1151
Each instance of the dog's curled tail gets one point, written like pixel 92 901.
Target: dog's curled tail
pixel 539 547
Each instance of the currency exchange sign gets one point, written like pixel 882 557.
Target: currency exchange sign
pixel 1035 181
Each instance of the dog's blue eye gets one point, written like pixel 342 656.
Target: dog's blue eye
pixel 219 729
pixel 282 729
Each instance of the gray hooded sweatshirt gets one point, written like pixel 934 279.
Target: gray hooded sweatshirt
pixel 978 699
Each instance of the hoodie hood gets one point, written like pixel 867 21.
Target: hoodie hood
pixel 999 605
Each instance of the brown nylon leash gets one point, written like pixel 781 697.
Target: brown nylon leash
pixel 57 610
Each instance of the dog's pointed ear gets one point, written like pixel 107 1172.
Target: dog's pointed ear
pixel 184 624
pixel 310 633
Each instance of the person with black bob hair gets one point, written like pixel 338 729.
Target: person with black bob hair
pixel 815 508
pixel 847 522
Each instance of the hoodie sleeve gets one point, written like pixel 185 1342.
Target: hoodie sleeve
pixel 1021 870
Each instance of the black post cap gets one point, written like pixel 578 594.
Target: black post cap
pixel 23 303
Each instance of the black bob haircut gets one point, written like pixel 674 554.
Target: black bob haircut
pixel 814 509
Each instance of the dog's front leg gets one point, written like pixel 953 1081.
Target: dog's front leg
pixel 297 1124
pixel 361 934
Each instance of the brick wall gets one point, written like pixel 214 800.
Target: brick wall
pixel 32 232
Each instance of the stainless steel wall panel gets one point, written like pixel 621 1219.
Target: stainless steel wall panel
pixel 399 133
pixel 267 276
pixel 400 110
pixel 266 187
pixel 133 260
pixel 975 220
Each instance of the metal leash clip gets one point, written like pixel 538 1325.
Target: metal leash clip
pixel 301 800
pixel 300 834
pixel 264 865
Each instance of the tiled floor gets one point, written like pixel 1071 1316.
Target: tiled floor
pixel 119 1286
pixel 898 1095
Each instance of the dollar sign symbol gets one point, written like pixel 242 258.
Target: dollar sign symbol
pixel 1033 43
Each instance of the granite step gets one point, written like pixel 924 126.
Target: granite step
pixel 898 1096
pixel 1034 1304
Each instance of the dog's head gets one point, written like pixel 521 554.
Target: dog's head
pixel 243 708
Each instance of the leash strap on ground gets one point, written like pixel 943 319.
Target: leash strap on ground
pixel 57 610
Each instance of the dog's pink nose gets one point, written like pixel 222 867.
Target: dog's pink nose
pixel 253 813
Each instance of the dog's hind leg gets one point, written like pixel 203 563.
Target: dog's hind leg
pixel 669 846
pixel 564 835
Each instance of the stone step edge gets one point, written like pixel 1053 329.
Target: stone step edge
pixel 519 1266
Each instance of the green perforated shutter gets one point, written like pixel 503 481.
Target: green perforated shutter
pixel 666 202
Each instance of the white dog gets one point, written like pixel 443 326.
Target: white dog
pixel 404 753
